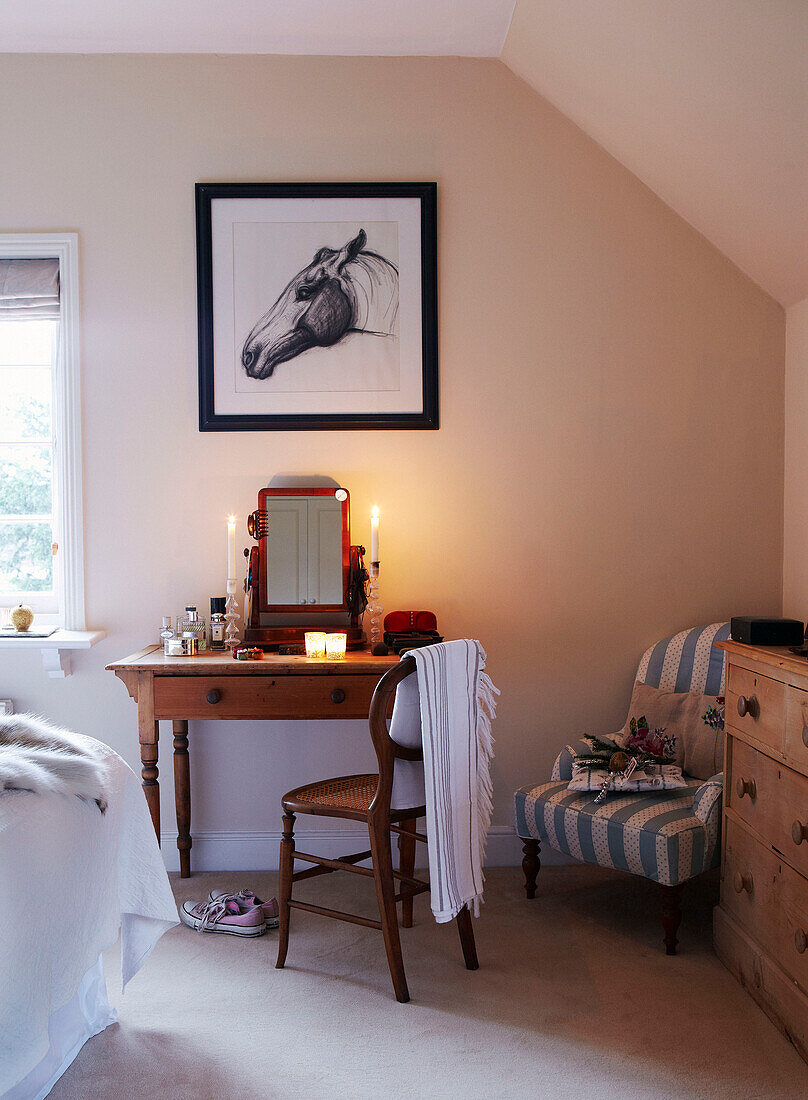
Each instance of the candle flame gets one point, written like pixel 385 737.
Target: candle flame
pixel 374 512
pixel 231 520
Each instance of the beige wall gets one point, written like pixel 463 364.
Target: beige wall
pixel 795 547
pixel 609 465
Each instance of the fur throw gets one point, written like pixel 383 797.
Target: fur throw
pixel 44 759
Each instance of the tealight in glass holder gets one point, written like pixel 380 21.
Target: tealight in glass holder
pixel 335 646
pixel 315 643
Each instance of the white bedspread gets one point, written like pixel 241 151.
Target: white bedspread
pixel 70 878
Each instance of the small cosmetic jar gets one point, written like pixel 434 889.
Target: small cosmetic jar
pixel 248 653
pixel 186 646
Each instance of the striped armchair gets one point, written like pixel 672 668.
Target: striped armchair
pixel 668 837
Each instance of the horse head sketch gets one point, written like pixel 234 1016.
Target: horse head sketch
pixel 342 290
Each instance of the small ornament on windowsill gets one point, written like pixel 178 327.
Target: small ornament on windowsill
pixel 21 618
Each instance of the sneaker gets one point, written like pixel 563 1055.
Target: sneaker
pixel 246 900
pixel 223 915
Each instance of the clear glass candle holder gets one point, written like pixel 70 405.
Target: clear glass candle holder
pixel 335 646
pixel 315 643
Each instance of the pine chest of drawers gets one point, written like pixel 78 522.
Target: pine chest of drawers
pixel 761 924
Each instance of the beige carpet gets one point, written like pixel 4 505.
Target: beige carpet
pixel 574 998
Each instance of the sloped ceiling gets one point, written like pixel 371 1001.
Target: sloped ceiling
pixel 705 100
pixel 384 28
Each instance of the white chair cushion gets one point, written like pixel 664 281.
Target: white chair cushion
pixel 405 729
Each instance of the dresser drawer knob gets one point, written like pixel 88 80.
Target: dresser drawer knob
pixel 746 786
pixel 748 706
pixel 337 695
pixel 742 882
pixel 213 696
pixel 800 940
pixel 799 832
pixel 805 736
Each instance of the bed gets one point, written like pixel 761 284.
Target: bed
pixel 71 878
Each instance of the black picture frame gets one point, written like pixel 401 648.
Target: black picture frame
pixel 425 418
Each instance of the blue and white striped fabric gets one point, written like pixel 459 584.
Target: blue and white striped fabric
pixel 667 837
pixel 657 836
pixel 687 661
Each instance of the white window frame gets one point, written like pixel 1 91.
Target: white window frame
pixel 68 531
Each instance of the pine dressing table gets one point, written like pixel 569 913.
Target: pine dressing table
pixel 213 686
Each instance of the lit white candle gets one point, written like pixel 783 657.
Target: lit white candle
pixel 374 534
pixel 231 548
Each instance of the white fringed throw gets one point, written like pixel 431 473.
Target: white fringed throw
pixel 457 707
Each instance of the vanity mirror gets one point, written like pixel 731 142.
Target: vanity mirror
pixel 303 574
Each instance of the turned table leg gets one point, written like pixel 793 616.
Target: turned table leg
pixel 182 796
pixel 151 786
pixel 148 734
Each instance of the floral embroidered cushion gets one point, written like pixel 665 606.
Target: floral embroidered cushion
pixel 699 746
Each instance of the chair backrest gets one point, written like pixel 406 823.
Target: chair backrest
pixel 687 661
pixel 398 741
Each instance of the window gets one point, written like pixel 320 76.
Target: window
pixel 27 541
pixel 40 476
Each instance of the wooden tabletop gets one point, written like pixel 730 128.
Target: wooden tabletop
pixel 775 656
pixel 152 659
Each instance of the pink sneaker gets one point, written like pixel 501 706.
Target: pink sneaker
pixel 223 915
pixel 246 901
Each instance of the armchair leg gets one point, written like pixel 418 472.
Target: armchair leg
pixel 530 864
pixel 671 914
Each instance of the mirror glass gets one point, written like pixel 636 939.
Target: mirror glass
pixel 304 551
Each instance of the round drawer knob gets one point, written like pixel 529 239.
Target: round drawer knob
pixel 805 736
pixel 746 786
pixel 800 940
pixel 213 696
pixel 748 706
pixel 799 832
pixel 337 695
pixel 742 882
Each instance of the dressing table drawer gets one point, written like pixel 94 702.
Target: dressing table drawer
pixel 263 696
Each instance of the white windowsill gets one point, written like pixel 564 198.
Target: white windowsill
pixel 57 648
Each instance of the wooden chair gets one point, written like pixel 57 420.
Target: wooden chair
pixel 367 798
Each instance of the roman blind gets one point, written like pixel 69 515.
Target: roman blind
pixel 29 290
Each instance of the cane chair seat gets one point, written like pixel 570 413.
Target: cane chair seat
pixel 347 795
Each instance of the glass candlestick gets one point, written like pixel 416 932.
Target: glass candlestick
pixel 375 607
pixel 231 615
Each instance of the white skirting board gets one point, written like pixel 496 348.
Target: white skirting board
pixel 252 851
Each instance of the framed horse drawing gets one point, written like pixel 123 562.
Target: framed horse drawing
pixel 317 306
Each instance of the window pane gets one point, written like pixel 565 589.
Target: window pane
pixel 27 343
pixel 26 561
pixel 25 403
pixel 25 479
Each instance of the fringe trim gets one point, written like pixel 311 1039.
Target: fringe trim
pixel 486 712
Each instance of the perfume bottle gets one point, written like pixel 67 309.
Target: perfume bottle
pixel 218 623
pixel 166 634
pixel 191 623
